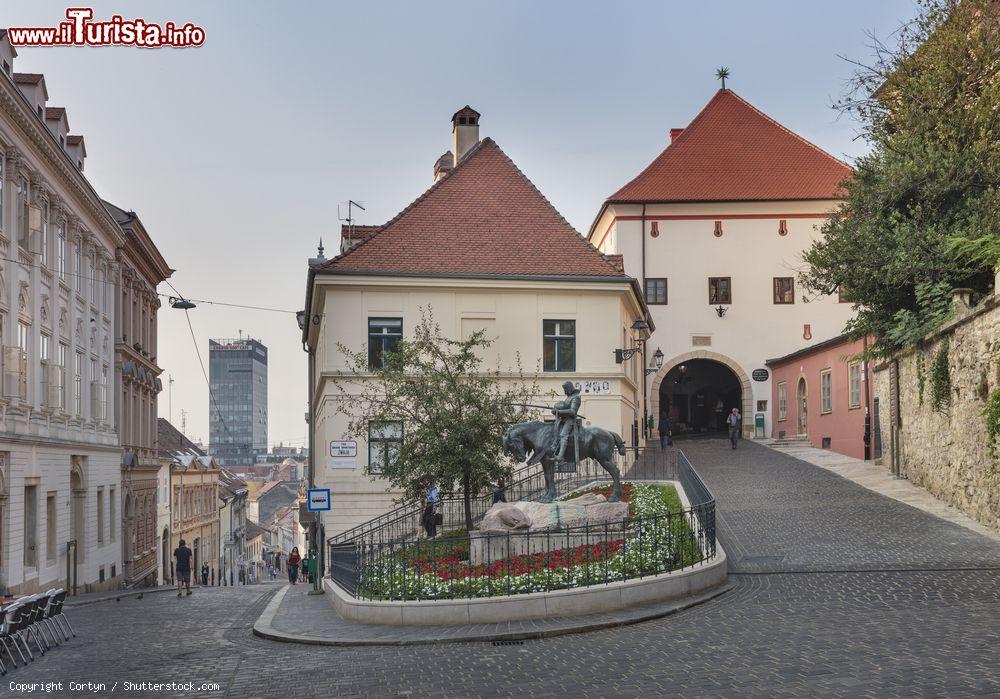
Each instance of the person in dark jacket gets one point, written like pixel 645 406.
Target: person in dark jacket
pixel 666 438
pixel 498 491
pixel 183 555
pixel 204 575
pixel 734 421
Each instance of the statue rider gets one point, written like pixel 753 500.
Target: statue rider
pixel 566 412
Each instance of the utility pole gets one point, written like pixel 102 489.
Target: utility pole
pixel 184 422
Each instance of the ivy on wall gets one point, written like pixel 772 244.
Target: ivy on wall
pixel 940 380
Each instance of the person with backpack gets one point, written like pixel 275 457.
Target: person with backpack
pixel 183 555
pixel 734 420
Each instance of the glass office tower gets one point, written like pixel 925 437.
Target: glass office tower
pixel 237 403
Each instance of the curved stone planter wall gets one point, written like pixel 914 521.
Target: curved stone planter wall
pixel 535 605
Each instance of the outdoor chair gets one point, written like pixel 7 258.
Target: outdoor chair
pixel 56 614
pixel 39 625
pixel 15 622
pixel 48 619
pixel 33 605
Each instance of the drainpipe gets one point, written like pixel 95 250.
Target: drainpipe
pixel 642 368
pixel 316 528
pixel 868 416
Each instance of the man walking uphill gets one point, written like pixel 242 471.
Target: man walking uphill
pixel 734 420
pixel 183 555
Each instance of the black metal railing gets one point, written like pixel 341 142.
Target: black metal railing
pixel 388 561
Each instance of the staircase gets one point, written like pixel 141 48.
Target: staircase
pixel 792 440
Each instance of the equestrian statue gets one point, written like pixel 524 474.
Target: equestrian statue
pixel 565 441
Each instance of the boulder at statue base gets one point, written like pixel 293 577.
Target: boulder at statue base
pixel 505 517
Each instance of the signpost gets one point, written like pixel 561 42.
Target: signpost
pixel 343 453
pixel 318 500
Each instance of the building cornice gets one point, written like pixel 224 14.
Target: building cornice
pixel 15 105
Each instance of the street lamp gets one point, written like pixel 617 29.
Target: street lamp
pixel 657 363
pixel 180 303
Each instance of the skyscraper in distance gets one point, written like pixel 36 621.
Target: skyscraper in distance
pixel 237 403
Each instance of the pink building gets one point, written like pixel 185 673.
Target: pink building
pixel 822 392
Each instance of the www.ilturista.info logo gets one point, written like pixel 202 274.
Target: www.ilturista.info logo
pixel 81 30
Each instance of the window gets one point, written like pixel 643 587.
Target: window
pixel 100 515
pixel 559 345
pixel 51 521
pixel 854 385
pixel 78 384
pixel 78 265
pixel 784 290
pixel 384 442
pixel 384 335
pixel 656 291
pixel 92 273
pixel 782 401
pixel 61 250
pixel 61 361
pixel 44 349
pixel 45 235
pixel 21 212
pixel 104 288
pixel 113 512
pixel 23 329
pixel 826 390
pixel 720 290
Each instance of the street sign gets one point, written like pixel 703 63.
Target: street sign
pixel 318 500
pixel 760 375
pixel 343 448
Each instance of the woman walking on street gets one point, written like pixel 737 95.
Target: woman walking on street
pixel 293 565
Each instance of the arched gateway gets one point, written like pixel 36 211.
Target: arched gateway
pixel 698 389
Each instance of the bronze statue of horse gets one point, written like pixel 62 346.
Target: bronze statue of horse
pixel 535 439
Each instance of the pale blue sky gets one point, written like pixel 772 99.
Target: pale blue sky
pixel 237 153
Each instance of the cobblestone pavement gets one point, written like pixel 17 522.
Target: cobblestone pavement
pixel 839 592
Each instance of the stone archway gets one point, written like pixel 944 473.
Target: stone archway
pixel 741 376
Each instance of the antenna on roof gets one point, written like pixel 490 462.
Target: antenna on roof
pixel 721 74
pixel 350 218
pixel 184 421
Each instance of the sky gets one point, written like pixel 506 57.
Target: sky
pixel 240 154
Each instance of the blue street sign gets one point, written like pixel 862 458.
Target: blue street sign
pixel 318 500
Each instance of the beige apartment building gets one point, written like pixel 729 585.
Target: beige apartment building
pixel 137 376
pixel 60 477
pixel 484 250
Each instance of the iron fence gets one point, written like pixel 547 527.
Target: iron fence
pixel 387 560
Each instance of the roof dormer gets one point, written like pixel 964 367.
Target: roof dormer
pixel 7 53
pixel 76 150
pixel 58 123
pixel 32 86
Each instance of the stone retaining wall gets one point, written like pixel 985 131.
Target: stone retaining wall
pixel 945 451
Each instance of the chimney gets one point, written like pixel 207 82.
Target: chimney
pixel 674 133
pixel 465 131
pixel 443 165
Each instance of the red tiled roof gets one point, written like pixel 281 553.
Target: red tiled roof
pixel 485 218
pixel 734 152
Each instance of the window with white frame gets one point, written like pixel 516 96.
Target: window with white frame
pixel 854 385
pixel 826 391
pixel 61 376
pixel 45 235
pixel 21 212
pixel 78 385
pixel 61 250
pixel 782 401
pixel 78 266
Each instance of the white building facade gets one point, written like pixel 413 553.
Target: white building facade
pixel 714 229
pixel 60 479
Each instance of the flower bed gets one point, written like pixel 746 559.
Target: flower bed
pixel 659 539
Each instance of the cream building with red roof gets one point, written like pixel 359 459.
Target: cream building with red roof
pixel 484 249
pixel 714 228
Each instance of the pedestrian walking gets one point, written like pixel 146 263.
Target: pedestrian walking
pixel 498 491
pixel 305 569
pixel 734 420
pixel 293 565
pixel 183 556
pixel 204 574
pixel 666 437
pixel 431 498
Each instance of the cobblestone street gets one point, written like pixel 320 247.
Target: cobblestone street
pixel 839 591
